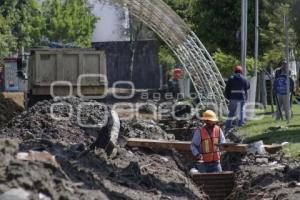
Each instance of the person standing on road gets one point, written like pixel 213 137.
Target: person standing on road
pixel 204 144
pixel 236 92
pixel 282 89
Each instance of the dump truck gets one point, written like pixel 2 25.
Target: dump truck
pixel 56 72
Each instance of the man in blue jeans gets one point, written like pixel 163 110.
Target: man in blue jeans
pixel 283 88
pixel 236 92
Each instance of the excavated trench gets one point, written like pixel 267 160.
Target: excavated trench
pixel 246 176
pixel 87 172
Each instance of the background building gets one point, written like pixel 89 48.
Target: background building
pixel 131 48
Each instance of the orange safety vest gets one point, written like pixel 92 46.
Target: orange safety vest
pixel 210 151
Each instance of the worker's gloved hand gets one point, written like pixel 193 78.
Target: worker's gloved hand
pixel 199 157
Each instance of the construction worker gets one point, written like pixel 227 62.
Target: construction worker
pixel 204 143
pixel 282 90
pixel 236 92
pixel 282 69
pixel 176 75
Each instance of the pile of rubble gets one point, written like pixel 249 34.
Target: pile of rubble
pixel 59 120
pixel 8 110
pixel 148 129
pixel 265 176
pixel 57 163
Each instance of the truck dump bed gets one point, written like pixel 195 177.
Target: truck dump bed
pixel 62 68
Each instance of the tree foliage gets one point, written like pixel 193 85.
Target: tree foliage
pixel 24 23
pixel 217 24
pixel 69 21
pixel 295 19
pixel 7 40
pixel 21 23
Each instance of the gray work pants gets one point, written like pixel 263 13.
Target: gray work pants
pixel 285 106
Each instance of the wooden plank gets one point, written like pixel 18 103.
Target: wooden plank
pixel 217 174
pixel 179 130
pixel 185 146
pixel 160 144
pixel 242 148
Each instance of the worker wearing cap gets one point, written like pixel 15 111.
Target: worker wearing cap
pixel 236 92
pixel 176 74
pixel 204 144
pixel 283 69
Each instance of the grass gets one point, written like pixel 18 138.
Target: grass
pixel 264 129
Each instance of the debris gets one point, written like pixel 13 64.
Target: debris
pixel 233 136
pixel 275 128
pixel 122 175
pixel 216 185
pixel 37 156
pixel 266 177
pixel 43 197
pixel 284 143
pixel 249 148
pixel 256 148
pixel 8 110
pixel 38 121
pixel 262 160
pixel 148 129
pixel 16 194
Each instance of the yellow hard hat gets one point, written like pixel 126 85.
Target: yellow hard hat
pixel 209 115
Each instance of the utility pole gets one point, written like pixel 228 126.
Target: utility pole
pixel 256 35
pixel 287 57
pixel 244 33
pixel 287 48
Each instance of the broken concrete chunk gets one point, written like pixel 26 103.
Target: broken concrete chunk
pixel 256 148
pixel 262 160
pixel 15 194
pixel 43 197
pixel 37 156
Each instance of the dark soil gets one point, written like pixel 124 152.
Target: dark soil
pixel 138 128
pixel 265 177
pixel 125 174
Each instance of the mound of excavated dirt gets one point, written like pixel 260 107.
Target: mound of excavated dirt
pixel 37 179
pixel 8 110
pixel 93 175
pixel 267 177
pixel 127 175
pixel 60 120
pixel 148 129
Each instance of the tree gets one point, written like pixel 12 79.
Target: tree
pixel 23 22
pixel 295 19
pixel 69 21
pixel 217 24
pixel 7 40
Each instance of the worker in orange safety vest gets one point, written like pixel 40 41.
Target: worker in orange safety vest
pixel 204 144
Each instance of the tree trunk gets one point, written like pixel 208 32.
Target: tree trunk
pixel 134 34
